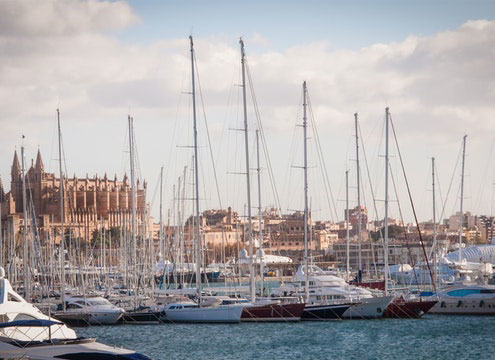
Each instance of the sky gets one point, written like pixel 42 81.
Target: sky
pixel 430 62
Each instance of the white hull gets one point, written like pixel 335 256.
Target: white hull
pixel 205 314
pixel 104 318
pixel 43 352
pixel 471 306
pixel 369 308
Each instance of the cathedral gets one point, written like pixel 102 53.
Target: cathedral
pixel 89 203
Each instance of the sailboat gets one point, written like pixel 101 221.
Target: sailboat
pixel 313 311
pixel 399 307
pixel 189 311
pixel 261 310
pixel 464 296
pixel 78 310
pixel 372 284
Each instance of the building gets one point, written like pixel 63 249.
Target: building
pixel 89 203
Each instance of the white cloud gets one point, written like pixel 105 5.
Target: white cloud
pixel 62 53
pixel 260 40
pixel 32 18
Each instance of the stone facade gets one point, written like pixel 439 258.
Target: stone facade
pixel 89 203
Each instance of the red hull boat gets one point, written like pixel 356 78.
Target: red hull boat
pixel 407 309
pixel 378 285
pixel 273 313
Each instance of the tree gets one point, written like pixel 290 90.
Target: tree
pixel 394 231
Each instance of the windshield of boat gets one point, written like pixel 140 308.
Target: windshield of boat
pixel 99 302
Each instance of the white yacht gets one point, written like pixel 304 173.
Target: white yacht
pixel 189 311
pixel 464 299
pixel 25 332
pixel 328 289
pixel 93 309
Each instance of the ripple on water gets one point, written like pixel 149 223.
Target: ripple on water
pixel 439 337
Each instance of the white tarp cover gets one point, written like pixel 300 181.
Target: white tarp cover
pixel 475 254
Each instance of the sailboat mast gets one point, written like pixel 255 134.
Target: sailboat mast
pixel 196 176
pixel 260 215
pixel 347 223
pixel 133 204
pixel 435 267
pixel 386 203
pixel 305 166
pixel 27 282
pixel 248 184
pixel 358 179
pixel 160 236
pixel 62 210
pixel 461 217
pixel 1 235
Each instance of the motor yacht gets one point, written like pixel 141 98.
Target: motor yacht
pixel 25 332
pixel 187 311
pixel 327 289
pixel 94 309
pixel 465 299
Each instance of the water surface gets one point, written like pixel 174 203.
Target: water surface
pixel 433 336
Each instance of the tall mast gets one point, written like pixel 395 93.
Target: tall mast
pixel 196 176
pixel 27 282
pixel 434 218
pixel 347 268
pixel 386 203
pixel 1 233
pixel 461 217
pixel 360 258
pixel 248 184
pixel 133 204
pixel 305 166
pixel 62 208
pixel 260 215
pixel 160 236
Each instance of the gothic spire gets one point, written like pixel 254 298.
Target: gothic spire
pixel 16 166
pixel 2 192
pixel 39 162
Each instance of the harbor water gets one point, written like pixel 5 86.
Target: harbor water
pixel 432 337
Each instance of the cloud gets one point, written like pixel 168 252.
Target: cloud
pixel 67 54
pixel 260 40
pixel 31 18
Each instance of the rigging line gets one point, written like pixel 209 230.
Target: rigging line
pixel 451 182
pixel 207 132
pixel 403 225
pixel 328 188
pixel 369 231
pixel 369 177
pixel 34 229
pixel 439 190
pixel 153 198
pixel 412 204
pixel 346 168
pixel 294 145
pixel 263 138
pixel 484 177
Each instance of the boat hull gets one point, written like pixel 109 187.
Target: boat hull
pixel 456 306
pixel 368 308
pixel 408 309
pixel 142 317
pixel 324 312
pixel 205 315
pixel 68 349
pixel 272 313
pixel 377 285
pixel 89 318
